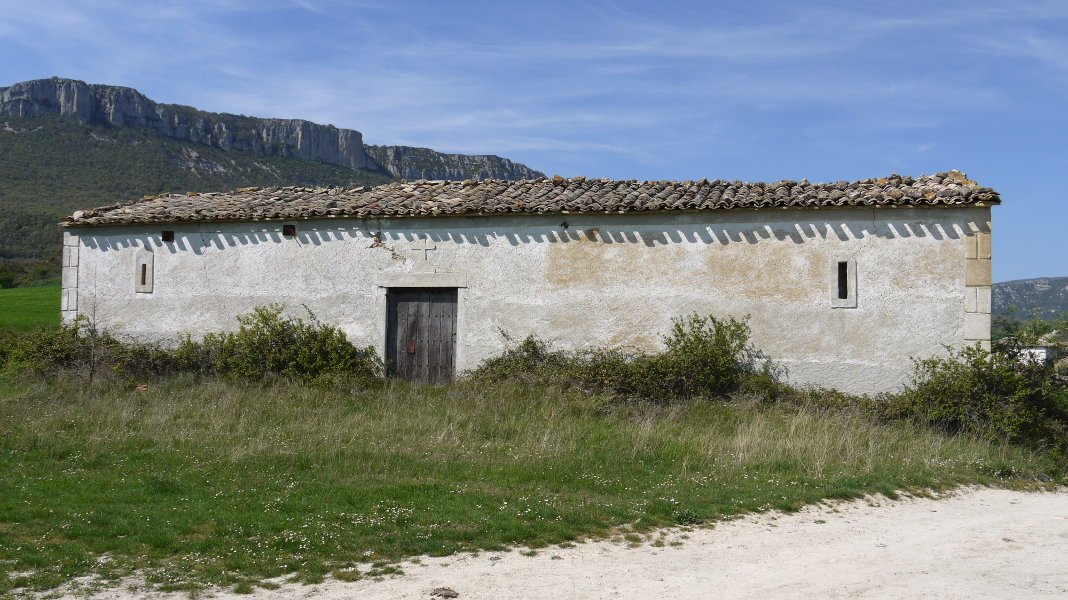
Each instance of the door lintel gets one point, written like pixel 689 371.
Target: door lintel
pixel 422 280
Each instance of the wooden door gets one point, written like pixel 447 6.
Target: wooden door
pixel 421 334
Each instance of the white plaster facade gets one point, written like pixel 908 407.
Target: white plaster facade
pixel 920 280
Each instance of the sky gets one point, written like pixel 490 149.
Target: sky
pixel 735 89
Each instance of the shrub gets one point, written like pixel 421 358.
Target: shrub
pixel 80 347
pixel 993 394
pixel 529 360
pixel 703 357
pixel 42 350
pixel 268 343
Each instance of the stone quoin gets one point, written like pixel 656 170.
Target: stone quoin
pixel 843 283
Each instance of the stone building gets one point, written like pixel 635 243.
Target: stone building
pixel 843 282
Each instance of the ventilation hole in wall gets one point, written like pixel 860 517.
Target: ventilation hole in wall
pixel 144 274
pixel 289 230
pixel 168 236
pixel 843 280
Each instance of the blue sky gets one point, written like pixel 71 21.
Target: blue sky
pixel 752 90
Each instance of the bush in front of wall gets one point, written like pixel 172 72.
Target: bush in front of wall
pixel 704 356
pixel 996 394
pixel 268 343
pixel 79 347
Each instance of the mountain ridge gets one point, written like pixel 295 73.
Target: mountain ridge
pixel 1047 296
pixel 125 107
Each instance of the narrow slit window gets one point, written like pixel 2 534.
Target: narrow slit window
pixel 143 272
pixel 843 280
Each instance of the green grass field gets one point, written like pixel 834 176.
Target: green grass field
pixel 22 309
pixel 190 483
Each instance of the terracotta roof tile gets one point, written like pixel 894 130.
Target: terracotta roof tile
pixel 557 195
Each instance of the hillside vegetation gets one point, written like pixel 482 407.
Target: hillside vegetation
pixel 50 167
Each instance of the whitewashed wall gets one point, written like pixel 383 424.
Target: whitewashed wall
pixel 923 278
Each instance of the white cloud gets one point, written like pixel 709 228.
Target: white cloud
pixel 594 82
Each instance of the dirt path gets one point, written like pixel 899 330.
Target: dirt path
pixel 977 543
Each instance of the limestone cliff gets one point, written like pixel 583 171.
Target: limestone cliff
pixel 406 162
pixel 294 138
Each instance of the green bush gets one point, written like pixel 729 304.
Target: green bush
pixel 527 361
pixel 80 347
pixel 268 343
pixel 703 357
pixel 265 344
pixel 42 350
pixel 993 394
